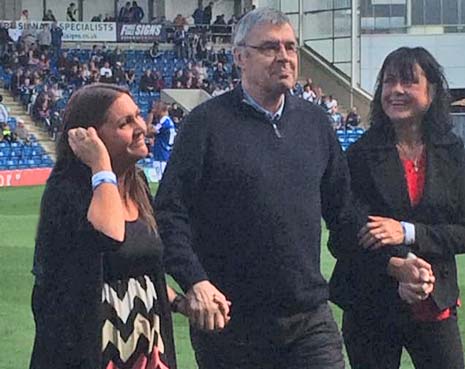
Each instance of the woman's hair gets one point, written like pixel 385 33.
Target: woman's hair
pixel 401 63
pixel 89 107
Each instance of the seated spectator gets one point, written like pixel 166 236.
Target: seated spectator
pixel 6 132
pixel 94 76
pixel 33 58
pixel 297 90
pixel 63 63
pixel 159 82
pixel 25 92
pixel 189 81
pixel 55 93
pixel 97 18
pixel 199 71
pixel 41 111
pixel 147 82
pixel 85 71
pixel 3 111
pixel 222 57
pixel 49 16
pixel 319 95
pixel 107 78
pixel 44 64
pixel 153 53
pixel 308 94
pixel 130 77
pixel 55 125
pixel 325 104
pixel 331 102
pixel 22 133
pixel 93 67
pixel 178 79
pixel 337 118
pixel 117 56
pixel 106 70
pixel 220 75
pixel 352 119
pixel 118 74
pixel 72 75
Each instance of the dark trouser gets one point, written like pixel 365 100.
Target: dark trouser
pixel 307 340
pixel 376 343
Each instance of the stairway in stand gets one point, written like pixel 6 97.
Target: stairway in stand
pixel 16 110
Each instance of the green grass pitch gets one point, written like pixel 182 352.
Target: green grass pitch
pixel 19 209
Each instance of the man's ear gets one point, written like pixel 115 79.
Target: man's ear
pixel 238 56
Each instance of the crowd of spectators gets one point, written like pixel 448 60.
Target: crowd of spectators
pixel 43 76
pixel 314 94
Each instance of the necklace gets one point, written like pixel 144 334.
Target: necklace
pixel 413 153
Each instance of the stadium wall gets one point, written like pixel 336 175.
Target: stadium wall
pixel 24 177
pixel 444 47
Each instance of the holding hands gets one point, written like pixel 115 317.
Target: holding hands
pixel 415 277
pixel 206 307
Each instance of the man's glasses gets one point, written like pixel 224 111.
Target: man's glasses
pixel 273 48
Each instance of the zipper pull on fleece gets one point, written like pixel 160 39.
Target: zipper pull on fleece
pixel 276 130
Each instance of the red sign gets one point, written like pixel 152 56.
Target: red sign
pixel 24 177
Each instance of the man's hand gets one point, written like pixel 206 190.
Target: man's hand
pixel 207 307
pixel 410 270
pixel 412 293
pixel 415 276
pixel 379 232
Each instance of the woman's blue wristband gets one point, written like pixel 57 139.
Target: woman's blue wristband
pixel 103 177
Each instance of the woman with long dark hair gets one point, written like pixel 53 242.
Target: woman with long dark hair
pixel 408 172
pixel 100 299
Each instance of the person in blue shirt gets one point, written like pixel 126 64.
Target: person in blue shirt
pixel 165 132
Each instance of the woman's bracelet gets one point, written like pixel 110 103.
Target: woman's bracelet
pixel 103 177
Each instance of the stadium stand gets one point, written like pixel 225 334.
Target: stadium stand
pixel 43 83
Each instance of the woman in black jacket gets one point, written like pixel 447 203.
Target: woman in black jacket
pixel 100 299
pixel 408 171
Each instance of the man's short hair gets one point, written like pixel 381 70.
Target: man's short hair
pixel 255 17
pixel 1 98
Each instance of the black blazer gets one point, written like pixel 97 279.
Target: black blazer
pixel 378 184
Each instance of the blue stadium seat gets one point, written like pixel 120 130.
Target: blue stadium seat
pixel 5 152
pixel 31 163
pixel 12 163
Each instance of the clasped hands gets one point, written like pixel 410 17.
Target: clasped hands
pixel 207 307
pixel 415 275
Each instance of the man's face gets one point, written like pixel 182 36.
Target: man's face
pixel 269 58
